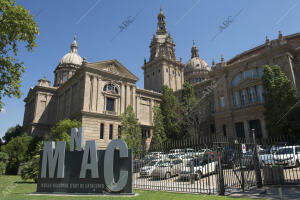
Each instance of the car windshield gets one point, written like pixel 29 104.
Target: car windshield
pixel 264 152
pixel 284 151
pixel 164 164
pixel 152 163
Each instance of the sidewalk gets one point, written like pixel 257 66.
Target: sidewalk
pixel 291 192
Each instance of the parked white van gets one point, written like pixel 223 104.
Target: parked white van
pixel 287 156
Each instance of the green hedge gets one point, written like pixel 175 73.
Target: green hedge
pixel 3 162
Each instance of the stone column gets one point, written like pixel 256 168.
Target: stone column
pixel 94 98
pixel 86 98
pixel 248 135
pixel 133 98
pixel 122 93
pixel 127 96
pixel 263 128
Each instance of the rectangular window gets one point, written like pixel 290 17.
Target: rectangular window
pixel 244 97
pixel 101 130
pixel 255 124
pixel 260 97
pixel 260 72
pixel 224 130
pixel 239 128
pixel 222 102
pixel 119 132
pixel 251 92
pixel 212 108
pixel 236 99
pixel 110 131
pixel 212 128
pixel 110 104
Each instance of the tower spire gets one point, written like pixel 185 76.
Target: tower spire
pixel 161 24
pixel 74 46
pixel 194 50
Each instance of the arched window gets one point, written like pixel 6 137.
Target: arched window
pixel 110 88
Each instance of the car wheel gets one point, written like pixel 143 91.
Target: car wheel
pixel 168 175
pixel 198 175
pixel 297 163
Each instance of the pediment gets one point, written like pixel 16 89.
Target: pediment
pixel 113 67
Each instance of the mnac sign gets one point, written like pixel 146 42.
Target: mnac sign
pixel 85 171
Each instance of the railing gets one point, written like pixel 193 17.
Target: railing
pixel 220 165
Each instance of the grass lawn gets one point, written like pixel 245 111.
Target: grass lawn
pixel 13 188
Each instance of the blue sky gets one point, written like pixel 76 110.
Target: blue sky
pixel 96 22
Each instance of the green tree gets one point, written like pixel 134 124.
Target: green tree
pixel 30 170
pixel 159 134
pixel 281 115
pixel 11 133
pixel 131 132
pixel 16 25
pixel 62 131
pixel 4 158
pixel 17 151
pixel 187 106
pixel 169 110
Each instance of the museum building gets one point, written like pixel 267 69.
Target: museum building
pixel 229 94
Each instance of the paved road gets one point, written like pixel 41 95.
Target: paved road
pixel 288 193
pixel 208 184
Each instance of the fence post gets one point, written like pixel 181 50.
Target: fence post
pixel 240 154
pixel 220 180
pixel 256 162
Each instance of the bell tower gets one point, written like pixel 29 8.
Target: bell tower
pixel 162 68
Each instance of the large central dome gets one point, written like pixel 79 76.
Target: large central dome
pixel 73 57
pixel 196 63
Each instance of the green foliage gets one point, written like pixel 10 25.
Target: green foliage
pixel 31 168
pixel 169 110
pixel 16 25
pixel 159 134
pixel 17 152
pixel 131 132
pixel 3 162
pixel 187 105
pixel 62 131
pixel 12 132
pixel 280 97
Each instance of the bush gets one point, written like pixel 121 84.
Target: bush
pixel 31 168
pixel 17 151
pixel 3 162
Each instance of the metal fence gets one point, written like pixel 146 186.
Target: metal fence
pixel 217 165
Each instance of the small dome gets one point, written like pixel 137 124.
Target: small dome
pixel 196 63
pixel 73 57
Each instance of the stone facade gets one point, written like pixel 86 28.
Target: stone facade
pixel 238 95
pixel 229 94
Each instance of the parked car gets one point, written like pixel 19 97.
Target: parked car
pixel 167 169
pixel 186 158
pixel 148 169
pixel 199 167
pixel 176 151
pixel 287 156
pixel 202 152
pixel 175 155
pixel 138 164
pixel 265 157
pixel 277 146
